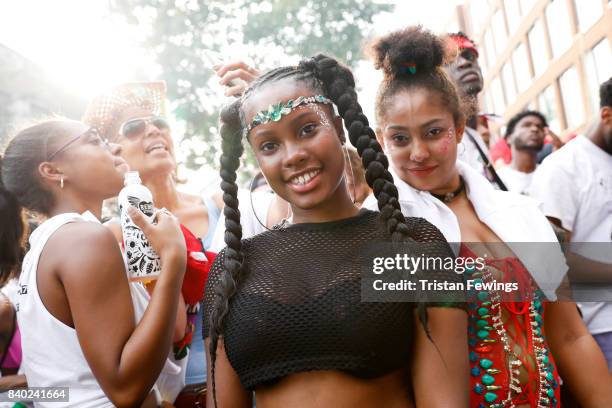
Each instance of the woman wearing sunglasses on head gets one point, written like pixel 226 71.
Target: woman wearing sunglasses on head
pixel 129 115
pixel 79 325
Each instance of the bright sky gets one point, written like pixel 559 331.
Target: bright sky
pixel 86 50
pixel 78 43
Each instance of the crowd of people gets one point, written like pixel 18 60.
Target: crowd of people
pixel 260 297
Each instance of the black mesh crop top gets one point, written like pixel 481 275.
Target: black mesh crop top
pixel 299 307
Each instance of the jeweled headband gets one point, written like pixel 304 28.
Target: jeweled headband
pixel 275 112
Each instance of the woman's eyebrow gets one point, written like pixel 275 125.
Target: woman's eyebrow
pixel 396 127
pixel 302 114
pixel 265 132
pixel 401 127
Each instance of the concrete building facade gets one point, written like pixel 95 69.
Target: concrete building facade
pixel 549 55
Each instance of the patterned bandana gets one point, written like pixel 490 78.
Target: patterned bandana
pixel 104 111
pixel 277 111
pixel 463 43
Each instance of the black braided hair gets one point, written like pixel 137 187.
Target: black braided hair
pixel 324 75
pixel 427 53
pixel 12 233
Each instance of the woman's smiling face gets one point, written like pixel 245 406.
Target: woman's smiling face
pixel 150 150
pixel 301 154
pixel 420 136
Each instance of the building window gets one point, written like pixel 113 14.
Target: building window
pixel 598 66
pixel 498 95
pixel 546 104
pixel 559 27
pixel 509 85
pixel 588 12
pixel 479 10
pixel 513 14
pixel 521 64
pixel 526 6
pixel 490 47
pixel 486 103
pixel 499 31
pixel 537 44
pixel 572 99
pixel 483 67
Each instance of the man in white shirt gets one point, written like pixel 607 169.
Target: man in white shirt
pixel 465 71
pixel 574 185
pixel 525 134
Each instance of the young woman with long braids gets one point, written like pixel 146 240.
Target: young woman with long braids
pixel 283 310
pixel 515 347
pixel 78 323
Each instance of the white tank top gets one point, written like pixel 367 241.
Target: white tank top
pixel 52 355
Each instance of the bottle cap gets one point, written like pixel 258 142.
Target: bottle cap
pixel 132 177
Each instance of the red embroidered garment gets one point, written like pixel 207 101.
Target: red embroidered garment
pixel 510 363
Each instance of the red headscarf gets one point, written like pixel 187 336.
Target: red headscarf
pixel 463 43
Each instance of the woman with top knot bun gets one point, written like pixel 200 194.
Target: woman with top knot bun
pixel 517 339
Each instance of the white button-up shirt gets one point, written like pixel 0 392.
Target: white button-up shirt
pixel 514 218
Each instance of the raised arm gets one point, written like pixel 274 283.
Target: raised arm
pixel 125 358
pixel 181 315
pixel 236 76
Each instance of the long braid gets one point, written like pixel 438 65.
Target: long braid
pixel 339 85
pixel 231 135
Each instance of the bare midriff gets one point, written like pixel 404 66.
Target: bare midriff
pixel 336 389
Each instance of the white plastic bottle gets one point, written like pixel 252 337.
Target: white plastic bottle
pixel 142 260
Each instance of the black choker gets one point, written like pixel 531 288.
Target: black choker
pixel 448 197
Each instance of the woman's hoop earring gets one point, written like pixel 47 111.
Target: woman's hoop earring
pixel 251 188
pixel 276 227
pixel 352 173
pixel 62 182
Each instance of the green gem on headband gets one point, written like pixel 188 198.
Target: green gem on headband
pixel 275 112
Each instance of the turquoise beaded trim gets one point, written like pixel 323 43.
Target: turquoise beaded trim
pixel 277 111
pixel 480 329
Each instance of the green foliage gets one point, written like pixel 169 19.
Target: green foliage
pixel 304 28
pixel 179 32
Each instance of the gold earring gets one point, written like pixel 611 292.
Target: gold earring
pixel 62 182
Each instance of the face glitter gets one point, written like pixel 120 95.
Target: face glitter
pixel 275 112
pixel 323 117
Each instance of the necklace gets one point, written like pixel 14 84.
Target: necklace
pixel 448 197
pixel 284 223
